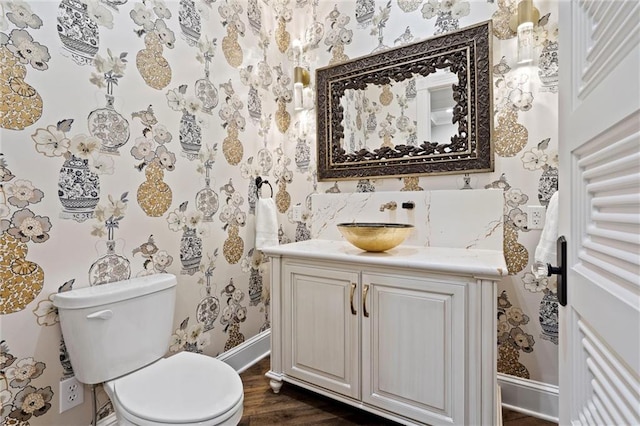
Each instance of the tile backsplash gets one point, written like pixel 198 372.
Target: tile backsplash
pixel 446 218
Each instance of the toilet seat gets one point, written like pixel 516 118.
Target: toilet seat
pixel 183 389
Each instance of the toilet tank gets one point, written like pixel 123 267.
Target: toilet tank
pixel 113 329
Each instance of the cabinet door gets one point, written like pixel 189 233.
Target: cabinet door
pixel 320 330
pixel 413 347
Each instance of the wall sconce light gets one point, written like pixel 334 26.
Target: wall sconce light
pixel 301 89
pixel 523 22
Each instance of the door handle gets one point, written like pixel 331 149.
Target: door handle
pixel 364 300
pixel 352 292
pixel 546 270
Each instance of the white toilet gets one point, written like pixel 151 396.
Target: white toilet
pixel 117 333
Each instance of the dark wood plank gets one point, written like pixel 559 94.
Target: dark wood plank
pixel 298 406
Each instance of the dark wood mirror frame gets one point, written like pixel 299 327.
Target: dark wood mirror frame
pixel 467 53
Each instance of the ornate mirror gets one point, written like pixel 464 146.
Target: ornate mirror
pixel 418 109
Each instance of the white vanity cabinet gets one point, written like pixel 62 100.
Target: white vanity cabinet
pixel 401 334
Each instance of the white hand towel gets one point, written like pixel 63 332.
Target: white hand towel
pixel 266 223
pixel 546 249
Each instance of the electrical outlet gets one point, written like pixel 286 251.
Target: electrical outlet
pixel 297 213
pixel 71 393
pixel 535 217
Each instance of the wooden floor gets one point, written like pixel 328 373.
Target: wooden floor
pixel 297 406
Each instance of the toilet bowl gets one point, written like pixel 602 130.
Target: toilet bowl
pixel 184 389
pixel 118 333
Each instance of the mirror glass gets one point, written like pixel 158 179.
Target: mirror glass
pixel 418 109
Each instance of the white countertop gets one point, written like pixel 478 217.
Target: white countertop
pixel 489 263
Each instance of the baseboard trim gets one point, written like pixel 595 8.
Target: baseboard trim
pixel 240 358
pixel 529 397
pixel 248 353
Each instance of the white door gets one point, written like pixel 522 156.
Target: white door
pixel 600 211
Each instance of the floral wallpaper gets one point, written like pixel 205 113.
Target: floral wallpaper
pixel 132 133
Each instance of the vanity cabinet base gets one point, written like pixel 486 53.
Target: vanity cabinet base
pixel 408 344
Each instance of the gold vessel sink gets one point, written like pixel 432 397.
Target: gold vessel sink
pixel 375 237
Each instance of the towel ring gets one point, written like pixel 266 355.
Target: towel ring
pixel 259 183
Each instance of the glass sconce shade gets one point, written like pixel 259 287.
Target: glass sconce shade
pixel 523 22
pixel 525 43
pixel 301 80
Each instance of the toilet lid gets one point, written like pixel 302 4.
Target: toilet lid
pixel 184 388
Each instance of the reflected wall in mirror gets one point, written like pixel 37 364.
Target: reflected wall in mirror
pixel 418 109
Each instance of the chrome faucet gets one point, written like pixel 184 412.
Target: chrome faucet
pixel 391 205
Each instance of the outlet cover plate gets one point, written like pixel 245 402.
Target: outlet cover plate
pixel 536 216
pixel 297 213
pixel 71 393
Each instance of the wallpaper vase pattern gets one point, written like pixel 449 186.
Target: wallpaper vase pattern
pixel 447 14
pixel 20 103
pixel 511 97
pixel 21 280
pixel 204 89
pixel 284 176
pixel 190 21
pixel 512 339
pixel 254 16
pixel 78 178
pixel 546 39
pixel 106 124
pixel 548 316
pixel 253 263
pixel 233 218
pixel 516 255
pixel 315 31
pixel 152 65
pixel 283 15
pixel 365 10
pixel 110 266
pixel 78 189
pixel 189 223
pixel 338 35
pixel 548 66
pixel 78 33
pixel 234 123
pixel 230 12
pixel 207 199
pixel 284 94
pixel 254 104
pixel 302 155
pixel 208 309
pixel 109 126
pixel 501 17
pixel 232 315
pixel 541 158
pixel 258 78
pixel 190 251
pixel 190 135
pixel 154 195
